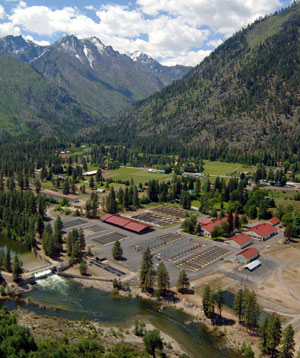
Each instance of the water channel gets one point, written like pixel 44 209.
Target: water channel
pixel 75 302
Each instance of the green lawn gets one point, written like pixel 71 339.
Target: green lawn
pixel 138 175
pixel 222 168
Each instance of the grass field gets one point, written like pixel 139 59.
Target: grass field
pixel 223 168
pixel 138 175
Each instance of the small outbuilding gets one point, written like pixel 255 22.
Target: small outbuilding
pixel 58 196
pixel 274 221
pixel 253 265
pixel 247 255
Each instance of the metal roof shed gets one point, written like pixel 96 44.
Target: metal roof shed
pixel 253 265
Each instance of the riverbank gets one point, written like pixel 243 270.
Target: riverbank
pixel 75 331
pixel 234 333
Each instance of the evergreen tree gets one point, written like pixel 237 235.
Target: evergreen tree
pixel 58 226
pixel 92 183
pixel 40 226
pixel 206 296
pixel 117 250
pixel 66 187
pixel 153 341
pixel 7 261
pixel 83 268
pixel 230 222
pixel 111 205
pixel 146 270
pixel 251 310
pixel 163 279
pixel 237 224
pixel 262 332
pixel 238 304
pixel 135 198
pixel 16 268
pixel 183 282
pixel 98 175
pixel 273 335
pixel 81 240
pixel 219 300
pixel 287 343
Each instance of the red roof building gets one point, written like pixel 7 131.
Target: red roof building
pixel 208 227
pixel 262 231
pixel 247 255
pixel 274 221
pixel 240 241
pixel 59 196
pixel 125 223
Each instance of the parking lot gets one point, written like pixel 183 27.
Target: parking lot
pixel 257 276
pixel 198 256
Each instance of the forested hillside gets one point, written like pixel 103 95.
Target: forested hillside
pixel 30 104
pixel 96 75
pixel 244 96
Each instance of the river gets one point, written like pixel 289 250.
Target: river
pixel 76 302
pixel 30 262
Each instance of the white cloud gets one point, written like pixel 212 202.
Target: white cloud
pixel 215 43
pixel 117 20
pixel 7 28
pixel 171 30
pixel 41 43
pixel 191 58
pixel 90 7
pixel 2 12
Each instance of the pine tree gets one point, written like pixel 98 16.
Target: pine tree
pixel 98 175
pixel 66 187
pixel 273 335
pixel 92 183
pixel 146 270
pixel 251 310
pixel 262 332
pixel 117 250
pixel 238 306
pixel 16 268
pixel 163 279
pixel 230 222
pixel 183 282
pixel 58 226
pixel 7 261
pixel 135 198
pixel 206 300
pixel 237 224
pixel 219 300
pixel 81 239
pixel 83 268
pixel 287 343
pixel 152 341
pixel 40 226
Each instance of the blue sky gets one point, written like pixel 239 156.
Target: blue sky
pixel 171 31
